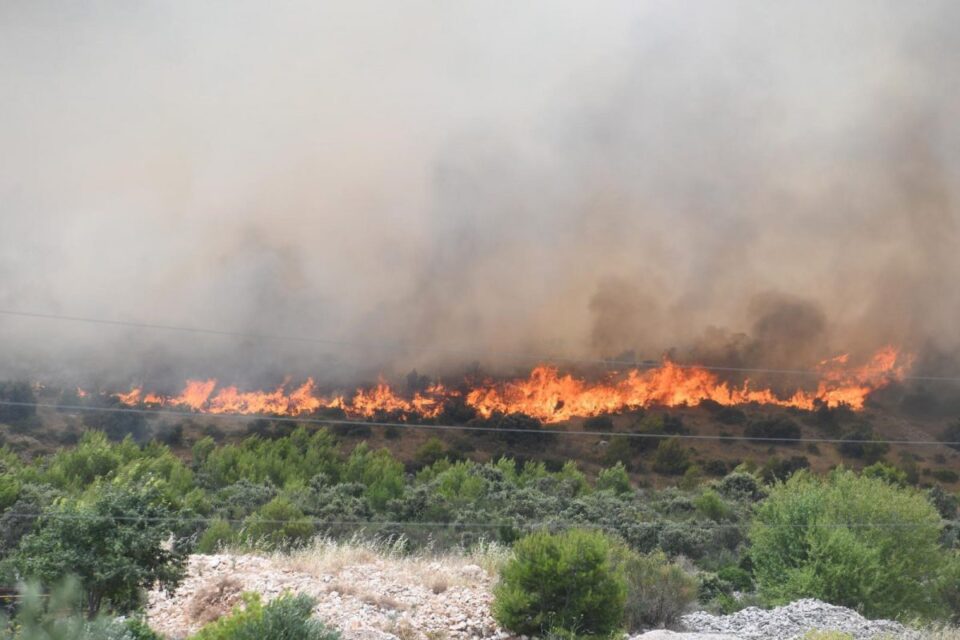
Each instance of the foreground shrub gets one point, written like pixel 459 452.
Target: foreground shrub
pixel 563 582
pixel 658 591
pixel 854 541
pixel 116 545
pixel 286 618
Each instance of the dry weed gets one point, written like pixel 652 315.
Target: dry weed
pixel 214 600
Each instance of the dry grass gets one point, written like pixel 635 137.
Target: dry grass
pixel 438 570
pixel 402 629
pixel 214 600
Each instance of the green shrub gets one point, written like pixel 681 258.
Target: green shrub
pixel 285 618
pixel 945 475
pixel 859 443
pixel 711 505
pixel 278 524
pixel 827 635
pixel 658 591
pixel 778 428
pixel 115 545
pixel 813 538
pixel 671 458
pixel 614 479
pixel 216 536
pixel 429 452
pixel 738 578
pixel 887 473
pixel 563 581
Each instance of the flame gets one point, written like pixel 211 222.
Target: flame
pixel 547 394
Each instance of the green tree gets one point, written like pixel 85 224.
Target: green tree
pixel 563 582
pixel 278 524
pixel 671 458
pixel 850 540
pixel 615 479
pixel 114 544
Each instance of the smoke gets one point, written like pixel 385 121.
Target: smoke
pixel 432 185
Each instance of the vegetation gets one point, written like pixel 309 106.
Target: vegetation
pixel 851 540
pixel 564 583
pixel 285 618
pixel 658 591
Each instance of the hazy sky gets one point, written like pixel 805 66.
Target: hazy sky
pixel 463 180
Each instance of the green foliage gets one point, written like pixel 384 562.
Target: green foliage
pixel 430 452
pixel 563 581
pixel 278 524
pixel 614 479
pixel 216 536
pixel 738 578
pixel 113 543
pixel 285 462
pixel 853 541
pixel 285 618
pixel 827 635
pixel 711 505
pixel 658 591
pixel 887 473
pixel 378 471
pixel 948 476
pixel 859 443
pixel 775 469
pixel 776 428
pixel 55 616
pixel 671 458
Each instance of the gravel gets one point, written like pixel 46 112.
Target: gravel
pixel 793 621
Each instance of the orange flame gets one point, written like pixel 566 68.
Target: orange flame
pixel 548 395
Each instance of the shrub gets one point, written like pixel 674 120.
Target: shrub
pixel 778 428
pixel 614 479
pixel 738 578
pixel 429 452
pixel 952 435
pixel 285 618
pixel 827 635
pixel 278 524
pixel 945 475
pixel 563 581
pixel 858 443
pixel 741 486
pixel 17 392
pixel 671 458
pixel 802 548
pixel 780 469
pixel 216 536
pixel 730 415
pixel 711 505
pixel 115 545
pixel 887 473
pixel 658 591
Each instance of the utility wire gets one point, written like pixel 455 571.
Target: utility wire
pixel 548 431
pixel 518 356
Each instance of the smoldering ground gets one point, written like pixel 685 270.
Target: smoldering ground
pixel 429 185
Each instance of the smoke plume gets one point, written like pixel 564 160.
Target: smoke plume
pixel 430 185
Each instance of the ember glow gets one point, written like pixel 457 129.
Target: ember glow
pixel 547 394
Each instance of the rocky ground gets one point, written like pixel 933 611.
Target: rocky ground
pixel 372 597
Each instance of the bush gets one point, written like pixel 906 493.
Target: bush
pixel 429 452
pixel 658 591
pixel 730 415
pixel 779 428
pixel 801 547
pixel 858 444
pixel 671 458
pixel 711 505
pixel 614 479
pixel 278 524
pixel 739 579
pixel 216 536
pixel 952 435
pixel 945 475
pixel 564 582
pixel 286 618
pixel 775 469
pixel 17 392
pixel 115 545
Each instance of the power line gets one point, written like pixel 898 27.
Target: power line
pixel 466 427
pixel 519 356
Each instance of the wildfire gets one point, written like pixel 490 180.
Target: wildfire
pixel 546 393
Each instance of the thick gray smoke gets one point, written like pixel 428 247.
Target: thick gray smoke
pixel 434 184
